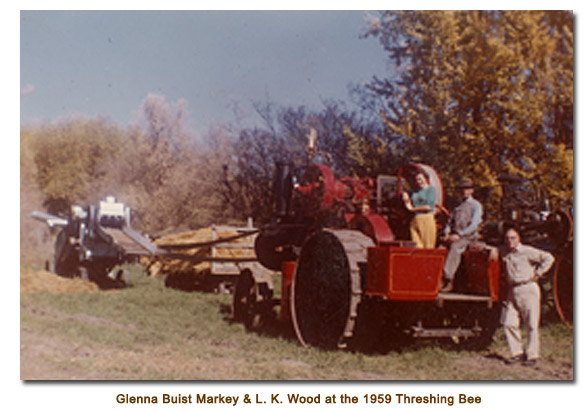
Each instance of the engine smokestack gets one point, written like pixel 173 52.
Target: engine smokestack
pixel 282 188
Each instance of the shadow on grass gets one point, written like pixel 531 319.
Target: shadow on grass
pixel 365 342
pixel 373 336
pixel 496 356
pixel 269 326
pixel 200 282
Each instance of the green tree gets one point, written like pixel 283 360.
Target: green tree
pixel 481 93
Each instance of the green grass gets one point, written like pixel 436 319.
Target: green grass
pixel 148 331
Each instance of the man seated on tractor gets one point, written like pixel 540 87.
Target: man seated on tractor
pixel 461 230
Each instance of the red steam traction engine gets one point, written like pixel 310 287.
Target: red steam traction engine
pixel 351 274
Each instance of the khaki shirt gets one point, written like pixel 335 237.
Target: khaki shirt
pixel 525 263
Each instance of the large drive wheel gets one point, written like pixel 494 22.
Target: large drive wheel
pixel 326 288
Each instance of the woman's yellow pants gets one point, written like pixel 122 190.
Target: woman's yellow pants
pixel 424 230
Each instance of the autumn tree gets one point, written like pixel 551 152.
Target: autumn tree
pixel 158 166
pixel 35 240
pixel 282 137
pixel 66 157
pixel 162 171
pixel 60 164
pixel 481 93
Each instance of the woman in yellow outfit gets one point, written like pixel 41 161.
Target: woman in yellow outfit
pixel 422 203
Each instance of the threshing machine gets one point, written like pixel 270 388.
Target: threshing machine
pixel 350 272
pixel 94 239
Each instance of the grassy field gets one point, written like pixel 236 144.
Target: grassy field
pixel 150 332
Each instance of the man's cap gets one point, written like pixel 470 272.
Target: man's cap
pixel 465 183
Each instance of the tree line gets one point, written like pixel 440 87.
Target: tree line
pixel 476 93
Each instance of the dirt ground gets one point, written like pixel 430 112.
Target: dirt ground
pixel 36 350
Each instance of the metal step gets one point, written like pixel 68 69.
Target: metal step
pixel 463 297
pixel 421 332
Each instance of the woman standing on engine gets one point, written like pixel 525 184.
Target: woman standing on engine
pixel 422 203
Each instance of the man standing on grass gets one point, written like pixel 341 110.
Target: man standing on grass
pixel 523 265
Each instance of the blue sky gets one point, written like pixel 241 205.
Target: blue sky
pixel 106 62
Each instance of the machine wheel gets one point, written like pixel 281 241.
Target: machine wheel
pixel 563 285
pixel 560 227
pixel 241 295
pixel 326 289
pixel 66 262
pixel 268 248
pixel 260 307
pixel 252 301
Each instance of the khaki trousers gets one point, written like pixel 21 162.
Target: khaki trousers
pixel 523 302
pixel 454 255
pixel 424 230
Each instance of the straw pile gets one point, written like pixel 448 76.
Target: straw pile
pixel 41 280
pixel 168 266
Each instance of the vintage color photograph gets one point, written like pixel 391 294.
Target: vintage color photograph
pixel 296 195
